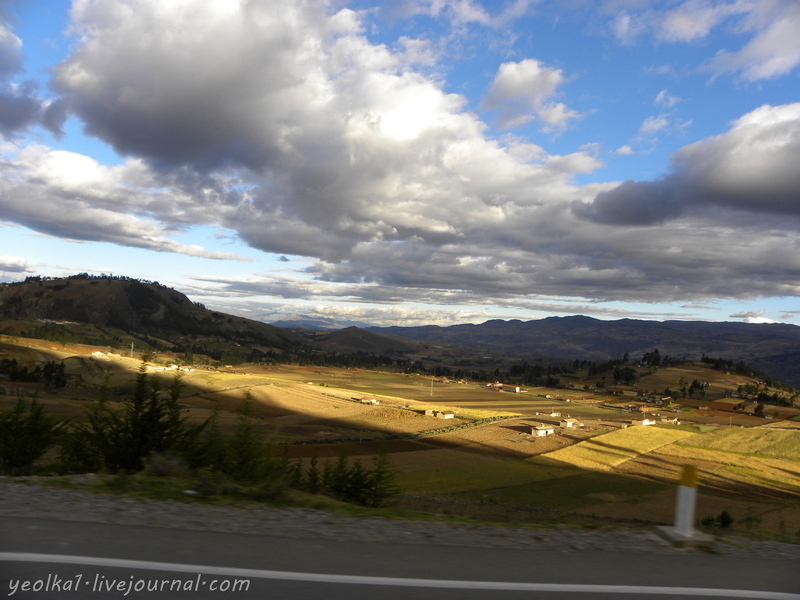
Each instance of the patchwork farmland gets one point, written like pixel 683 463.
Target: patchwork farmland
pixel 486 460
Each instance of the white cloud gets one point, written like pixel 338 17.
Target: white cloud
pixel 627 28
pixel 665 99
pixel 521 92
pixel 694 19
pixel 94 202
pixel 653 125
pixel 464 12
pixel 753 317
pixel 773 51
pixel 771 47
pixel 15 264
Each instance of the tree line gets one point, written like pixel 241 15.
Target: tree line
pixel 150 426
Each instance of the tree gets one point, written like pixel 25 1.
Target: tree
pixel 382 484
pixel 26 433
pixel 246 455
pixel 122 440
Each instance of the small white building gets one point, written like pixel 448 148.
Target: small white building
pixel 542 430
pixel 511 388
pixel 446 414
pixel 644 421
pixel 569 422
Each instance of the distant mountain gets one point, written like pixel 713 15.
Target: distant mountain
pixel 134 306
pixel 772 348
pixel 319 323
pixel 352 339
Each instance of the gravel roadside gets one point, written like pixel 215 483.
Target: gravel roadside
pixel 20 500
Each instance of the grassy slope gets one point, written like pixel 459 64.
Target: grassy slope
pixel 611 449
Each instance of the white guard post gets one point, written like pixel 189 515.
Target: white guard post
pixel 686 502
pixel 683 532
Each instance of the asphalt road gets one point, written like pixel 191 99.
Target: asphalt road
pixel 92 561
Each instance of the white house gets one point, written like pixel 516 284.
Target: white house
pixel 446 414
pixel 542 430
pixel 570 423
pixel 644 421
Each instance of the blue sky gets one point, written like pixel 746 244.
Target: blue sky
pixel 410 162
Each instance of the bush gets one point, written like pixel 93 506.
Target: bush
pixel 724 520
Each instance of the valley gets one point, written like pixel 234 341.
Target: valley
pixel 480 451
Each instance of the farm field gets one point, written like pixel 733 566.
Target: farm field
pixel 599 470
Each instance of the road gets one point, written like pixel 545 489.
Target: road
pixel 93 561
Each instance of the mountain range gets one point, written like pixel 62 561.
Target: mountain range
pixel 772 348
pixel 148 308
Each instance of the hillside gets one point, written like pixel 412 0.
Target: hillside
pixel 773 348
pixel 352 339
pixel 133 306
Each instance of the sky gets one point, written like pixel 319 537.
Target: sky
pixel 410 162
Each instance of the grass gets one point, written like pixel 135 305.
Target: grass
pixel 759 442
pixel 779 473
pixel 606 451
pixel 475 477
pixel 573 492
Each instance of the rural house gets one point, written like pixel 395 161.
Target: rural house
pixel 542 430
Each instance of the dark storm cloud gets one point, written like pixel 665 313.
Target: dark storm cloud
pixel 281 122
pixel 20 106
pixel 752 167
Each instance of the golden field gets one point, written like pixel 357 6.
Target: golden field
pixel 600 469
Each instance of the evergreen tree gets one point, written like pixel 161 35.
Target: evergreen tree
pixel 26 433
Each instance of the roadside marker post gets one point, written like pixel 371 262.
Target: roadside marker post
pixel 686 501
pixel 683 533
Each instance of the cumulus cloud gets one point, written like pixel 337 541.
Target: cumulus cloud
pixel 15 264
pixel 13 267
pixel 94 202
pixel 282 123
pixel 521 92
pixel 20 105
pixel 752 167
